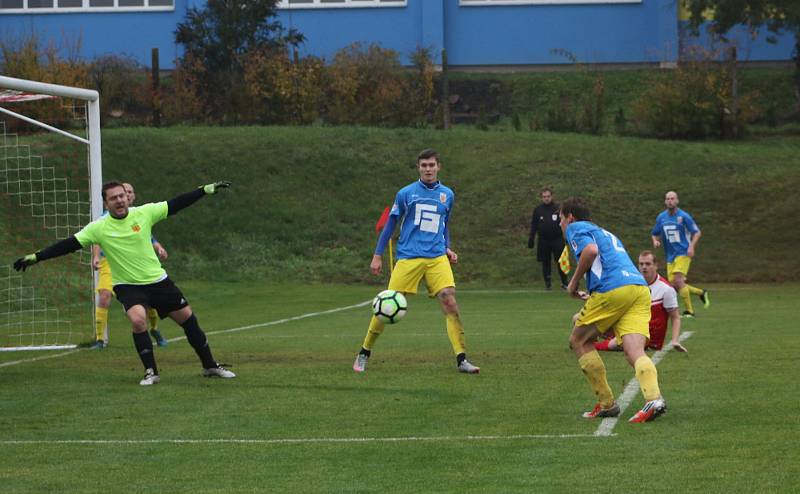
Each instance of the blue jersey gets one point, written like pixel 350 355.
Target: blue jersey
pixel 676 232
pixel 423 212
pixel 612 268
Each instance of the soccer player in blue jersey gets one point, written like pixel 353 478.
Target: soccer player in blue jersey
pixel 423 251
pixel 618 300
pixel 678 232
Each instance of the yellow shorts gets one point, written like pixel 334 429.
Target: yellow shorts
pixel 104 277
pixel 625 309
pixel 408 273
pixel 679 265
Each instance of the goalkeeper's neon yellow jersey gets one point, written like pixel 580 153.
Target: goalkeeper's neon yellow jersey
pixel 126 243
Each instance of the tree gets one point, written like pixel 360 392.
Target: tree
pixel 778 16
pixel 216 37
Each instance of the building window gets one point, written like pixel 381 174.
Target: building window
pixel 83 6
pixel 325 4
pixel 472 3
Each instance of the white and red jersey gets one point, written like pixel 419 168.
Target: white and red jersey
pixel 663 298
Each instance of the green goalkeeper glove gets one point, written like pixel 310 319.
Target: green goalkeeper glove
pixel 212 188
pixel 22 263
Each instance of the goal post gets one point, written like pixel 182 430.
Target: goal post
pixel 50 187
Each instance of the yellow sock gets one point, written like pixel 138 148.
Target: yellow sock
pixel 687 298
pixel 455 331
pixel 647 375
pixel 595 371
pixel 100 323
pixel 152 316
pixel 375 329
pixel 694 290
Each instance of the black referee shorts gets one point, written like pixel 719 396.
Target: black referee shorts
pixel 164 296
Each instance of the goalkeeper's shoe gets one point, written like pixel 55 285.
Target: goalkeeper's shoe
pixel 705 299
pixel 160 340
pixel 598 412
pixel 688 315
pixel 150 378
pixel 360 364
pixel 218 371
pixel 467 368
pixel 650 411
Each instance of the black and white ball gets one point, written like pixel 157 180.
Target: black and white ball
pixel 389 306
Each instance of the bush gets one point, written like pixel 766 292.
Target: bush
pixel 368 86
pixel 285 91
pixel 26 58
pixel 124 88
pixel 693 102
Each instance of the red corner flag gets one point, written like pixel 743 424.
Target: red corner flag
pixel 382 221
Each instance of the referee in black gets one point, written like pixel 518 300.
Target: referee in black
pixel 545 222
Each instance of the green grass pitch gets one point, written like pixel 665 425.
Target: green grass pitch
pixel 298 419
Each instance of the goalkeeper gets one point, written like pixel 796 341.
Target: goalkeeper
pixel 138 278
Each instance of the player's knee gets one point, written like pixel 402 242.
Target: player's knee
pixel 104 299
pixel 447 298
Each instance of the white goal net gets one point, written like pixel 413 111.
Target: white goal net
pixel 50 180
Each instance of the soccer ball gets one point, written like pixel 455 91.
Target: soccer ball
pixel 389 306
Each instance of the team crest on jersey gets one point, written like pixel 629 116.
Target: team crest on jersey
pixel 442 197
pixel 136 228
pixel 680 219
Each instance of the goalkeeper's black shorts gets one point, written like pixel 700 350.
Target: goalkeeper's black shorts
pixel 164 296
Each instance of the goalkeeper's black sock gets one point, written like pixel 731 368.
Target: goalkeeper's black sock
pixel 364 351
pixel 460 358
pixel 197 338
pixel 144 347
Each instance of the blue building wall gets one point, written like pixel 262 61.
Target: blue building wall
pixel 648 32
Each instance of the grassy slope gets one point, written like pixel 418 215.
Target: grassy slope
pixel 306 199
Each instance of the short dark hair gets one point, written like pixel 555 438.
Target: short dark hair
pixel 576 207
pixel 546 189
pixel 427 154
pixel 111 185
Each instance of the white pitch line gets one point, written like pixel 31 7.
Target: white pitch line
pixel 34 359
pixel 310 440
pixel 281 321
pixel 232 330
pixel 608 424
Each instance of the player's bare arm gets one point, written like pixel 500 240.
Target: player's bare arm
pixel 376 265
pixel 693 244
pixel 588 255
pixel 452 256
pixel 96 257
pixel 656 241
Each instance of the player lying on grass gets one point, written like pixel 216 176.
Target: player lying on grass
pixel 618 300
pixel 663 308
pixel 138 278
